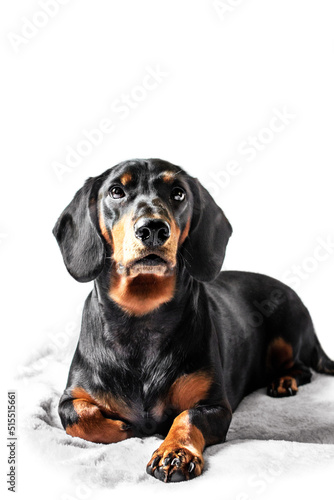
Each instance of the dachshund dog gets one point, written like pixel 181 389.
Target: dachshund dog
pixel 170 345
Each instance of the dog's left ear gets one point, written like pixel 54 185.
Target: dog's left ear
pixel 77 235
pixel 204 248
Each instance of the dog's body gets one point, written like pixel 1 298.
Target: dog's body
pixel 168 344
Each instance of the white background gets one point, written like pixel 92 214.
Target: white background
pixel 224 75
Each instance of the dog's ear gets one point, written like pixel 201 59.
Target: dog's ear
pixel 204 248
pixel 77 235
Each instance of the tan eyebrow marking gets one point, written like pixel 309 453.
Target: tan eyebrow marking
pixel 125 178
pixel 168 176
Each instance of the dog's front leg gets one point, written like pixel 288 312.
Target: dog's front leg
pixel 180 456
pixel 84 419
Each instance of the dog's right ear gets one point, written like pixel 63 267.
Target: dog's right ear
pixel 77 235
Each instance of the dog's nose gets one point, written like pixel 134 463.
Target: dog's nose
pixel 152 232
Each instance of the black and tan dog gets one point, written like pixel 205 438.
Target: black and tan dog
pixel 169 344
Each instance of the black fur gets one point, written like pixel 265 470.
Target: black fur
pixel 219 323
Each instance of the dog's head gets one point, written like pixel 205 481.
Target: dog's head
pixel 146 215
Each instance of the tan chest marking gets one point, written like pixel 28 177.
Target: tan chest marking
pixel 141 294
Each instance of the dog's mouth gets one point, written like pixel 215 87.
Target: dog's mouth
pixel 151 260
pixel 149 264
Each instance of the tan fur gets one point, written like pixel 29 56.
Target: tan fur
pixel 184 442
pixel 92 425
pixel 126 178
pixel 184 393
pixel 279 355
pixel 168 176
pixel 185 232
pixel 108 404
pixel 128 248
pixel 141 294
pixel 138 288
pixel 104 230
pixel 188 390
pixel 283 385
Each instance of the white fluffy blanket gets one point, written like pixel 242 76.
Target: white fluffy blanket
pixel 274 446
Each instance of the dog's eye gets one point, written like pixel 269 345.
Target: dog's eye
pixel 178 194
pixel 116 192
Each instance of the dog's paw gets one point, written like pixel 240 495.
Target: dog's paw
pixel 175 464
pixel 282 387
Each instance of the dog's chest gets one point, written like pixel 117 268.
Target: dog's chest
pixel 142 404
pixel 147 382
pixel 154 401
pixel 150 402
